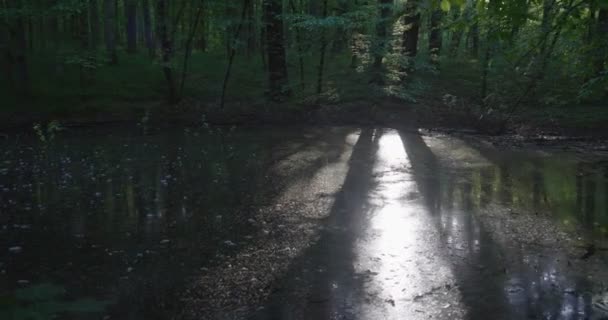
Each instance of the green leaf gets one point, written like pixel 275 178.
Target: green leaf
pixel 445 5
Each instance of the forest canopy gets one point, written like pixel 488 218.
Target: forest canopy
pixel 493 54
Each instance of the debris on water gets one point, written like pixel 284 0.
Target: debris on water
pixel 390 301
pixel 446 306
pixel 165 241
pixel 129 269
pixel 15 249
pixel 23 282
pixel 229 243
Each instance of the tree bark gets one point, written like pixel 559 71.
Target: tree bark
pixel 131 13
pixel 166 48
pixel 275 47
pixel 147 17
pixel 109 30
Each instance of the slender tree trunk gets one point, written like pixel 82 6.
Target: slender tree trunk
pixel 456 35
pixel 381 35
pixel 94 23
pixel 109 30
pixel 7 57
pixel 188 47
pixel 147 17
pixel 251 37
pixel 298 32
pixel 473 37
pixel 602 32
pixel 131 13
pixel 275 46
pixel 322 52
pixel 237 35
pixel 411 28
pixel 435 38
pixel 20 58
pixel 166 47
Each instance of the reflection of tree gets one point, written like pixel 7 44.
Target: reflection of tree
pixel 538 190
pixel 589 214
pixel 506 184
pixel 487 190
pixel 481 289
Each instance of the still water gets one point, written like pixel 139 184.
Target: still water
pixel 114 223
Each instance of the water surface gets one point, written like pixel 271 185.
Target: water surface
pixel 115 222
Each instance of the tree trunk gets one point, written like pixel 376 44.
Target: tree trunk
pixel 411 28
pixel 602 33
pixel 382 34
pixel 7 58
pixel 251 37
pixel 323 49
pixel 435 38
pixel 147 17
pixel 456 35
pixel 166 47
pixel 94 23
pixel 20 59
pixel 109 30
pixel 246 7
pixel 131 12
pixel 275 47
pixel 299 44
pixel 473 38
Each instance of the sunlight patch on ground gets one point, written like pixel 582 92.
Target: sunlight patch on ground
pixel 400 249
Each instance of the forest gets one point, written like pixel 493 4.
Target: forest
pixel 304 159
pixel 540 61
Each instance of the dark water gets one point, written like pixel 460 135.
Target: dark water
pixel 112 222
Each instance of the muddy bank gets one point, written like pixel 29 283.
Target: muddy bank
pixel 380 112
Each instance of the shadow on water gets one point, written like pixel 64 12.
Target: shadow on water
pixel 478 272
pixel 128 218
pixel 322 283
pixel 500 274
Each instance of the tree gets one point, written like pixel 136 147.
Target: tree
pixel 411 28
pixel 602 34
pixel 275 49
pixel 94 23
pixel 109 30
pixel 131 11
pixel 166 48
pixel 381 37
pixel 147 26
pixel 435 38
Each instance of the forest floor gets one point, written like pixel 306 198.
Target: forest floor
pixel 134 93
pixel 578 122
